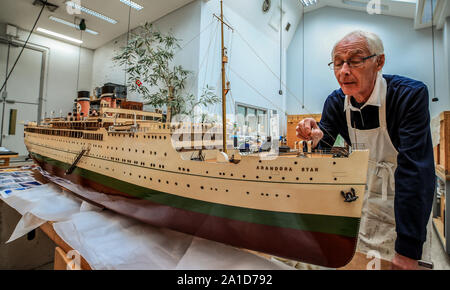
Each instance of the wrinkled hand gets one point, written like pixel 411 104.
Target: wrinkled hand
pixel 404 263
pixel 308 130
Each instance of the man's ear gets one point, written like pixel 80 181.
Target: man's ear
pixel 380 62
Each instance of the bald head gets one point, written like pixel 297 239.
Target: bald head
pixel 358 80
pixel 372 42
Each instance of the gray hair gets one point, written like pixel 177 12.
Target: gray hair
pixel 374 42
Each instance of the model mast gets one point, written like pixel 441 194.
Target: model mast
pixel 224 104
pixel 225 85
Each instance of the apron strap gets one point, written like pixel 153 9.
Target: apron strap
pixel 385 171
pixel 382 110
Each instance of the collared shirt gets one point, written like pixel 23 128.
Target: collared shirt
pixel 374 99
pixel 408 125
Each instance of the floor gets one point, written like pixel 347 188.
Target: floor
pixel 439 258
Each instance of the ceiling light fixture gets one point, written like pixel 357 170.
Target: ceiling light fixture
pixel 74 5
pixel 307 3
pixel 62 21
pixel 59 35
pixel 363 4
pixel 132 4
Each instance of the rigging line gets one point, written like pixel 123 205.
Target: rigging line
pixel 256 90
pixel 213 38
pixel 281 110
pixel 79 61
pixel 23 47
pixel 128 41
pixel 195 37
pixel 201 65
pixel 230 50
pixel 233 102
pixel 213 65
pixel 281 46
pixel 303 59
pixel 288 90
pixel 433 39
pixel 268 67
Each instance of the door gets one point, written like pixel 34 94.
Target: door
pixel 22 95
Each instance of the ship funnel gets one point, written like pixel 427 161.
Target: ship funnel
pixel 83 103
pixel 107 99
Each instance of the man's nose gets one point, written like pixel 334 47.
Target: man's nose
pixel 345 68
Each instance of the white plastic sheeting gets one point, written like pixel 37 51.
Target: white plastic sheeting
pixel 110 241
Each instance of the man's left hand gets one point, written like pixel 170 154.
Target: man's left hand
pixel 404 263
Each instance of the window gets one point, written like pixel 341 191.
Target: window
pixel 251 121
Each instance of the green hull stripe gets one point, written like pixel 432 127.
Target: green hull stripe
pixel 344 226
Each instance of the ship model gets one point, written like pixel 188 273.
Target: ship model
pixel 303 205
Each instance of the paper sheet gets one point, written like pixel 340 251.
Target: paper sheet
pixel 110 241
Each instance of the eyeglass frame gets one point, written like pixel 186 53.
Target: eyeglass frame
pixel 348 61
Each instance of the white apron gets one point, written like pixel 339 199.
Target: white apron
pixel 377 230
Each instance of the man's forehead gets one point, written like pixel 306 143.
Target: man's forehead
pixel 343 52
pixel 351 46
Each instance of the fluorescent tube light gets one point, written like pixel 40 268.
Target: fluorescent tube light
pixel 307 3
pixel 59 35
pixel 74 5
pixel 407 1
pixel 132 4
pixel 59 20
pixel 363 4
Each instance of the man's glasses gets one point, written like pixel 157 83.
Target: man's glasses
pixel 353 62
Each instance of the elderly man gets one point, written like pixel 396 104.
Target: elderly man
pixel 388 115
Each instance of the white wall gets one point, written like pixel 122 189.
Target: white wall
pixel 60 88
pixel 254 54
pixel 408 53
pixel 195 26
pixel 184 23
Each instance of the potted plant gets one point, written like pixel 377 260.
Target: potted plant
pixel 148 58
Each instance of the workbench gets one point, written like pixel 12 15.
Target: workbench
pixel 5 156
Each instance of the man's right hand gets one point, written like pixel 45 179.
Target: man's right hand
pixel 308 130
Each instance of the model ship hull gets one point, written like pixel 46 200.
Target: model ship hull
pixel 287 207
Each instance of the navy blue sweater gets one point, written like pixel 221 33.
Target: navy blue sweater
pixel 408 124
